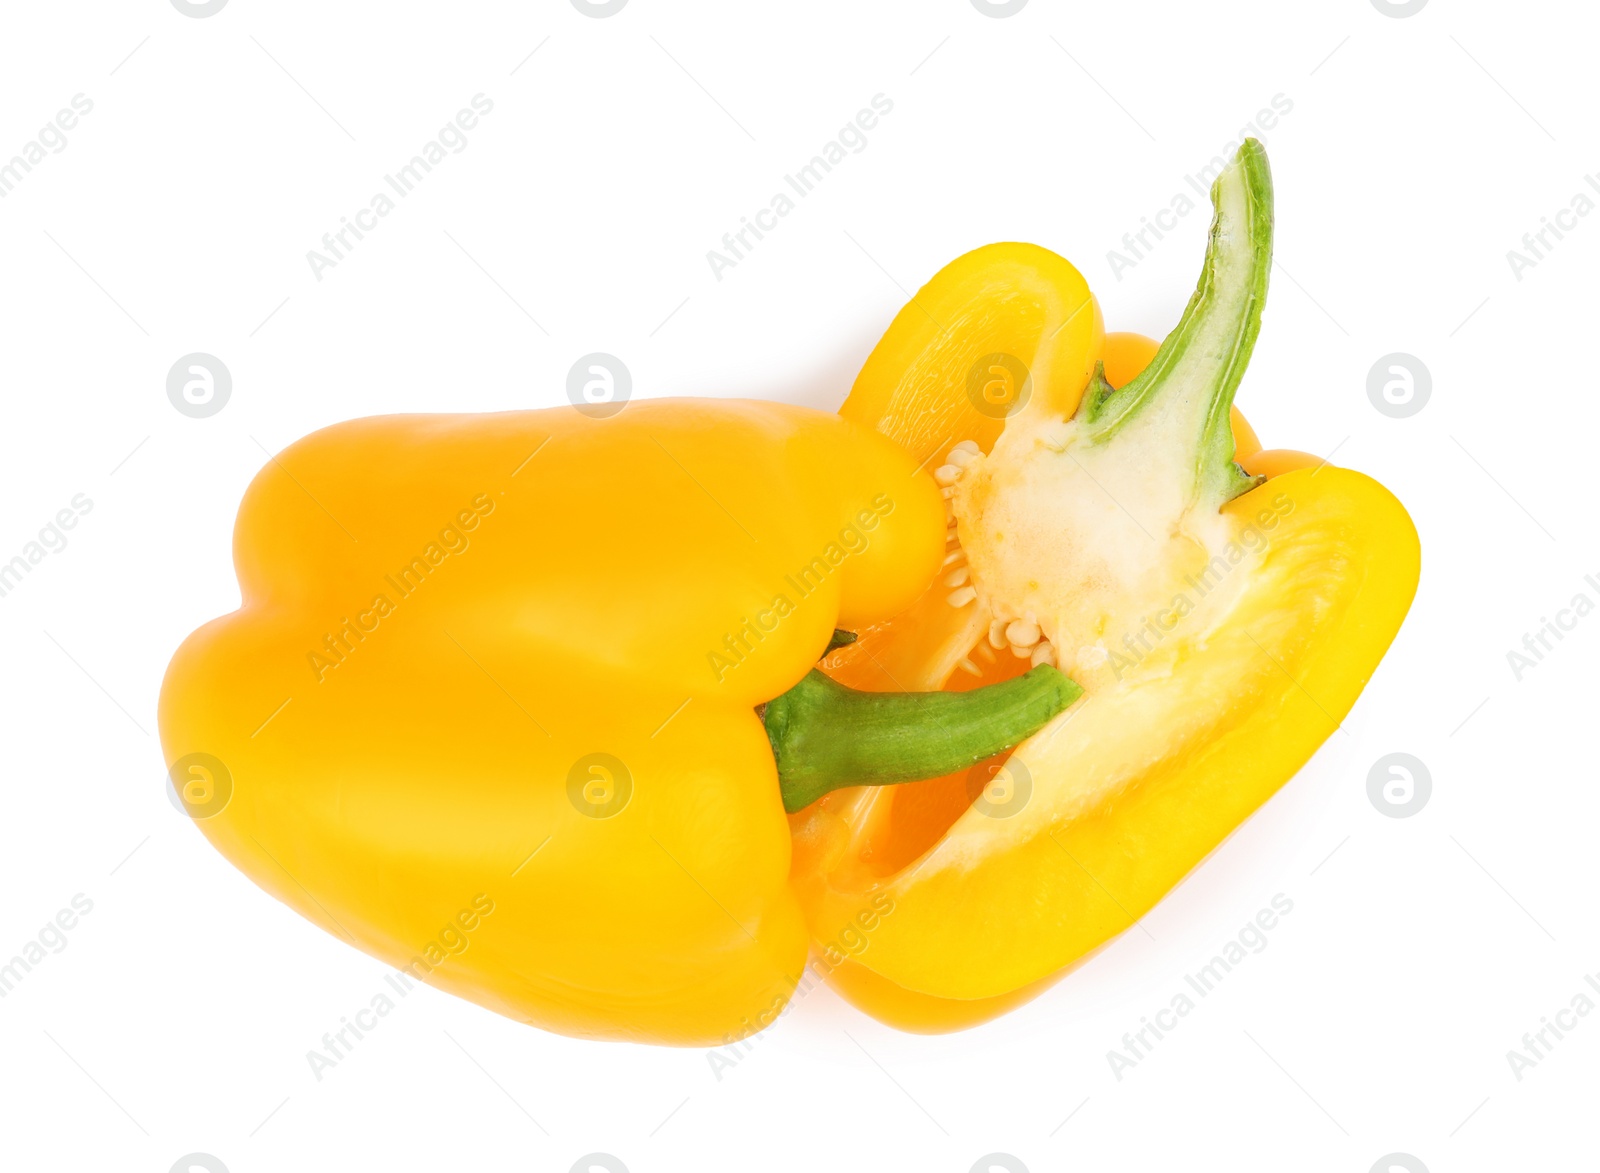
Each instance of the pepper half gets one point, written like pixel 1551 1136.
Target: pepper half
pixel 1222 624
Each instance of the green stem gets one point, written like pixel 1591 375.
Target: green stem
pixel 825 735
pixel 1198 367
pixel 840 639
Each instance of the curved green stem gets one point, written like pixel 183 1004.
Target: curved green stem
pixel 825 736
pixel 1198 367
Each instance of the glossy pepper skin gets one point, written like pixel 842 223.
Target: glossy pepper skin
pixel 486 710
pixel 1194 714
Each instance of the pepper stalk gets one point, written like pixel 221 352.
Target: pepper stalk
pixel 1199 365
pixel 825 736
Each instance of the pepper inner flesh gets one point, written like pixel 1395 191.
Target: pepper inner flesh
pixel 1078 530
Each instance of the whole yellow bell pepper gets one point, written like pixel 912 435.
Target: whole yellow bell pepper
pixel 487 708
pixel 1221 623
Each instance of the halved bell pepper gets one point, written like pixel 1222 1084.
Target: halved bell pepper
pixel 1221 624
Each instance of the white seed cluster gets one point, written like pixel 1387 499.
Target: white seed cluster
pixel 1021 634
pixel 957 576
pixel 1024 638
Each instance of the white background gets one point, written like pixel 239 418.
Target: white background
pixel 177 219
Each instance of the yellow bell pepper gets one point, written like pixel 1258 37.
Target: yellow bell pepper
pixel 1221 623
pixel 487 709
